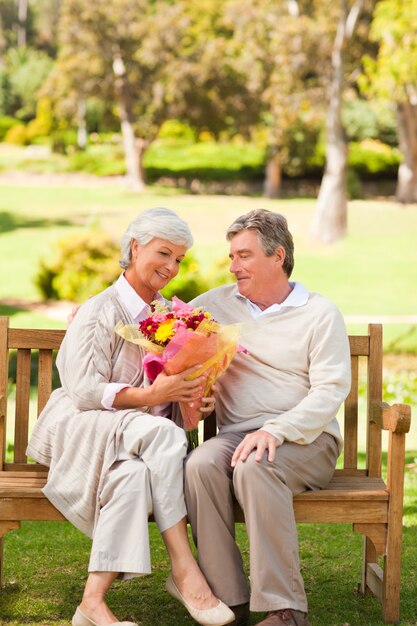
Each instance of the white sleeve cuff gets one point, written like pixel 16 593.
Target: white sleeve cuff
pixel 109 394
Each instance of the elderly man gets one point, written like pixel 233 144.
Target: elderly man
pixel 278 434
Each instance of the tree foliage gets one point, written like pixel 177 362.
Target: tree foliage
pixel 392 74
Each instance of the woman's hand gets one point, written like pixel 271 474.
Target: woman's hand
pixel 175 388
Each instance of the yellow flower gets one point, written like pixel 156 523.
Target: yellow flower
pixel 165 331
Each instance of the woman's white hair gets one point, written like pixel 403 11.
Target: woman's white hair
pixel 158 222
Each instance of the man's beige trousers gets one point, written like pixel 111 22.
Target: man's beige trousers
pixel 265 492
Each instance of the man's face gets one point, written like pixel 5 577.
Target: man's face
pixel 255 272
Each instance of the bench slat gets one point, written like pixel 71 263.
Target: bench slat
pixel 28 509
pixel 44 377
pixel 24 467
pixel 359 345
pixel 350 459
pixel 35 339
pixel 4 379
pixel 22 405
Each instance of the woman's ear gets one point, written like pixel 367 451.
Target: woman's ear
pixel 134 249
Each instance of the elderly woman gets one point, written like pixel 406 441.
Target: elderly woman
pixel 114 457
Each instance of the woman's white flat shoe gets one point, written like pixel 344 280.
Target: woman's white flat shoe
pixel 79 619
pixel 216 616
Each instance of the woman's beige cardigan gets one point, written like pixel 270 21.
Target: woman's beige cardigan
pixel 74 435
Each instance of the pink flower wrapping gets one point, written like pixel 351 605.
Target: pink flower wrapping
pixel 182 338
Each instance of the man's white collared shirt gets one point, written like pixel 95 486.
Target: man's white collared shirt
pixel 297 297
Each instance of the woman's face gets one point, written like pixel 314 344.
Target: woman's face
pixel 153 266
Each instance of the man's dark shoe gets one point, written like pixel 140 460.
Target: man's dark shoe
pixel 242 614
pixel 285 617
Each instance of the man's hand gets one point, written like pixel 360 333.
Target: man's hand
pixel 73 313
pixel 260 440
pixel 209 402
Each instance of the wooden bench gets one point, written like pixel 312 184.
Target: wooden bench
pixel 355 495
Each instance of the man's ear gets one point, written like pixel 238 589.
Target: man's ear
pixel 280 255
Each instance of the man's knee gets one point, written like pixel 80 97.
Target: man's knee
pixel 251 473
pixel 202 468
pixel 196 463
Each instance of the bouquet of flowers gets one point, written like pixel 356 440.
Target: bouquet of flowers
pixel 178 338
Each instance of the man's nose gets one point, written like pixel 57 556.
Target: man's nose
pixel 234 267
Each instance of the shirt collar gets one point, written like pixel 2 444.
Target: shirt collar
pixel 137 307
pixel 297 297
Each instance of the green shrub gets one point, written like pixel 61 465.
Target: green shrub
pixel 83 264
pixel 101 160
pixel 42 124
pixel 17 134
pixel 175 129
pixel 354 187
pixel 204 160
pixel 372 159
pixel 6 123
pixel 220 274
pixel 189 282
pixel 62 140
pixel 370 119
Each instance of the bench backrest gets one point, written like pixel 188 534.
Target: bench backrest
pixel 30 346
pixel 40 345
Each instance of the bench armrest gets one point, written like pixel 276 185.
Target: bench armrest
pixel 395 417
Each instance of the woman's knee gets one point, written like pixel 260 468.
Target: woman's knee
pixel 171 434
pixel 124 479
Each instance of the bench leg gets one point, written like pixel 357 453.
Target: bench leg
pixel 392 578
pixel 392 560
pixel 380 539
pixel 4 528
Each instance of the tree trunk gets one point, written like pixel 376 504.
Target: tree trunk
pixel 330 220
pixel 134 168
pixel 141 147
pixel 81 125
pixel 22 14
pixel 273 178
pixel 407 134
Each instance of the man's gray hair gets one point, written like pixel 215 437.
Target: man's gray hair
pixel 272 231
pixel 158 222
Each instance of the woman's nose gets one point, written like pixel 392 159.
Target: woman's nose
pixel 172 265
